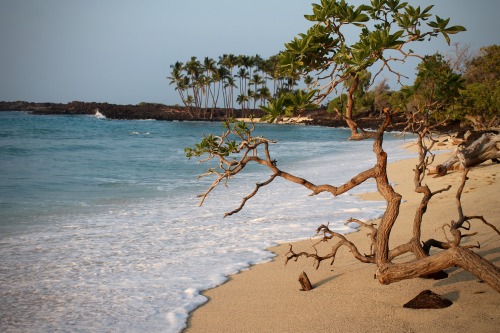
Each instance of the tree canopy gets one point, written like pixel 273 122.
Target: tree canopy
pixel 481 96
pixel 385 31
pixel 347 56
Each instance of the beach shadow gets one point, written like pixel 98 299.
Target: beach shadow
pixel 459 275
pixel 490 252
pixel 324 281
pixel 452 296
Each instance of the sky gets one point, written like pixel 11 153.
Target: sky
pixel 120 51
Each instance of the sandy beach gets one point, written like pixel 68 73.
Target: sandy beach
pixel 346 297
pixel 285 120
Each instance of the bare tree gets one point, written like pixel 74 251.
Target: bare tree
pixel 459 57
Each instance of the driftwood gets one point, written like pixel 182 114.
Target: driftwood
pixel 304 282
pixel 487 147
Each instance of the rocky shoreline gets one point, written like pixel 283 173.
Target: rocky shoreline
pixel 158 111
pixel 111 111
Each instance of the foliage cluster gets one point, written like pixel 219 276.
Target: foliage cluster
pixel 328 56
pixel 385 29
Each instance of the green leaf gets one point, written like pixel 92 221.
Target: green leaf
pixel 446 37
pixel 455 29
pixel 427 9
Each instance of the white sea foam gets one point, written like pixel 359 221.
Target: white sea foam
pixel 139 133
pixel 99 115
pixel 151 258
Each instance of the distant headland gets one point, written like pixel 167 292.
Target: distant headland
pixel 157 111
pixel 112 111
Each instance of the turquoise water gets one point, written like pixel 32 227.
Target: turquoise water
pixel 100 228
pixel 56 164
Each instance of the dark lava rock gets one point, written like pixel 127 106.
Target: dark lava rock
pixel 428 300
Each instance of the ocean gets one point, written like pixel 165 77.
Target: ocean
pixel 101 229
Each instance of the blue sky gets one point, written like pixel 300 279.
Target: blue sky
pixel 119 51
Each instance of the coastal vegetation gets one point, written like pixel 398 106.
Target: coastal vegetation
pixel 232 80
pixel 386 31
pixel 463 86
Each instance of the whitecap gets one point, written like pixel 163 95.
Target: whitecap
pixel 99 115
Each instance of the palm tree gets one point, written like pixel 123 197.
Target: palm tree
pixel 222 75
pixel 261 66
pixel 258 62
pixel 275 109
pixel 242 99
pixel 217 79
pixel 229 61
pixel 271 69
pixel 203 87
pixel 247 63
pixel 189 103
pixel 264 94
pixel 309 81
pixel 251 95
pixel 210 69
pixel 243 77
pixel 256 81
pixel 176 77
pixel 244 61
pixel 194 70
pixel 299 101
pixel 230 83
